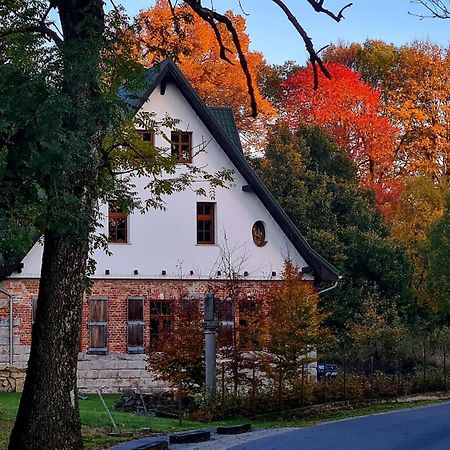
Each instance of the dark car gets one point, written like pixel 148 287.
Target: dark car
pixel 326 370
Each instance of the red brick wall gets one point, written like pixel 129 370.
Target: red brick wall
pixel 117 292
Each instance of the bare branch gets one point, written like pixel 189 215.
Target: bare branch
pixel 437 9
pixel 210 17
pixel 313 56
pixel 318 7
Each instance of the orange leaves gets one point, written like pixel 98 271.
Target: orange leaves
pixel 182 35
pixel 351 111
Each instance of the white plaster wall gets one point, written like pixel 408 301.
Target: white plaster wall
pixel 166 240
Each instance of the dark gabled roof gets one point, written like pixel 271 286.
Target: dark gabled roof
pixel 168 71
pixel 224 115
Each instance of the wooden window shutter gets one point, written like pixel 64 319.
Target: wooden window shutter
pixel 98 325
pixel 135 325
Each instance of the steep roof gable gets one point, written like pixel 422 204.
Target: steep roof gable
pixel 221 125
pixel 167 71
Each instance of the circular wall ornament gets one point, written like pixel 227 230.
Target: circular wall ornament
pixel 259 233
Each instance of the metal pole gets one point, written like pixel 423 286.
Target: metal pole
pixel 210 327
pixel 11 325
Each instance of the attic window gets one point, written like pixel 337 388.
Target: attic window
pixel 181 146
pixel 148 136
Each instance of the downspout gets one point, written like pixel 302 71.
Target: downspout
pixel 11 325
pixel 331 287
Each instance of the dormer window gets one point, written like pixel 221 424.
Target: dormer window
pixel 181 146
pixel 117 224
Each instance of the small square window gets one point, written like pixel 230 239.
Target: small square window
pixel 148 137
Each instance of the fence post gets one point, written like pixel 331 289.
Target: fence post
pixel 445 369
pixel 303 383
pixel 424 380
pixel 345 376
pixel 372 377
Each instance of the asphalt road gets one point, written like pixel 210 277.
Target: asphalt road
pixel 419 429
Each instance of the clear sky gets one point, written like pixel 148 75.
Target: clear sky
pixel 274 36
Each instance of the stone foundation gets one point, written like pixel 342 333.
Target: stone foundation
pixel 12 379
pixel 113 373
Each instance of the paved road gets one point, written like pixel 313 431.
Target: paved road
pixel 425 428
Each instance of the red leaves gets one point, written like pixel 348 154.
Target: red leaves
pixel 351 111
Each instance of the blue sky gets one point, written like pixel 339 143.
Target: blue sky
pixel 273 35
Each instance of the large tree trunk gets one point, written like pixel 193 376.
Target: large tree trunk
pixel 48 416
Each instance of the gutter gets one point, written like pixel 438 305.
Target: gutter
pixel 11 325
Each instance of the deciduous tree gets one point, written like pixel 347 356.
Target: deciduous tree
pixel 414 82
pixel 351 111
pixel 316 183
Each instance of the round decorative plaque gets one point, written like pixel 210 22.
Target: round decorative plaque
pixel 259 233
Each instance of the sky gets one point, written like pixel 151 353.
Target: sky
pixel 273 35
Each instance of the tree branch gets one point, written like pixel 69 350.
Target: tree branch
pixel 437 9
pixel 41 27
pixel 313 56
pixel 318 7
pixel 211 17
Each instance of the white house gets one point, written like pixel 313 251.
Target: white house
pixel 160 255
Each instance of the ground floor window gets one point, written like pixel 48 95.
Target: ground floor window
pixel 161 319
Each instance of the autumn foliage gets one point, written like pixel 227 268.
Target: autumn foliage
pixel 180 34
pixel 351 111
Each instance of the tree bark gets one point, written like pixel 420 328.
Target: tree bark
pixel 48 416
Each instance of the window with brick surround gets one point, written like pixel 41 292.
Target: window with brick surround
pixel 161 318
pixel 117 224
pixel 181 146
pixel 135 325
pixel 98 325
pixel 206 222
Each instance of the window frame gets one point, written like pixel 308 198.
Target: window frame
pixel 152 136
pixel 176 146
pixel 117 215
pixel 206 218
pixel 141 323
pixel 161 319
pixel 103 324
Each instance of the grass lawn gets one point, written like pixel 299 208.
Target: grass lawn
pixel 96 422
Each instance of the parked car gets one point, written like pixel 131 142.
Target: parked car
pixel 326 370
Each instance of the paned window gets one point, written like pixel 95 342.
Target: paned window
pixel 181 146
pixel 117 224
pixel 161 319
pixel 205 223
pixel 135 325
pixel 98 325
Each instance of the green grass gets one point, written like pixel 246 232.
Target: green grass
pixel 96 422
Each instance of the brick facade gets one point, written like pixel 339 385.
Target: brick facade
pixel 117 369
